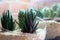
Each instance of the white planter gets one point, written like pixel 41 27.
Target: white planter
pixel 23 36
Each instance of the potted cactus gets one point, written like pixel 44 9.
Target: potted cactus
pixel 27 22
pixel 7 21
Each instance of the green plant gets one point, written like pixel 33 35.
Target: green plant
pixel 7 21
pixel 27 21
pixel 21 19
pixel 58 13
pixel 52 13
pixel 49 12
pixel 46 12
pixel 39 13
pixel 56 9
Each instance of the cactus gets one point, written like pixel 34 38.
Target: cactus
pixel 56 9
pixel 39 13
pixel 49 13
pixel 27 21
pixel 58 13
pixel 52 13
pixel 7 21
pixel 46 12
pixel 21 19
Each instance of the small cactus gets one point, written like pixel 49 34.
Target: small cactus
pixel 7 21
pixel 39 13
pixel 52 13
pixel 56 9
pixel 27 21
pixel 46 12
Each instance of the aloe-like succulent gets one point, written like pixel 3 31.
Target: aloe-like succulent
pixel 39 13
pixel 21 19
pixel 27 21
pixel 7 21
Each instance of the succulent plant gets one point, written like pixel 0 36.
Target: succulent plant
pixel 27 21
pixel 39 13
pixel 56 9
pixel 46 12
pixel 52 13
pixel 58 13
pixel 49 12
pixel 21 19
pixel 7 21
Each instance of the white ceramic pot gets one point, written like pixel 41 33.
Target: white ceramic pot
pixel 40 35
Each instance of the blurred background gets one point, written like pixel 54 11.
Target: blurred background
pixel 15 5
